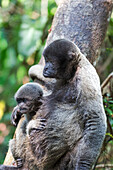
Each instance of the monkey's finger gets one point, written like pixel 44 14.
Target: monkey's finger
pixel 38 129
pixel 42 126
pixel 15 116
pixel 16 109
pixel 12 116
pixel 41 119
pixel 14 123
pixel 42 123
pixel 19 163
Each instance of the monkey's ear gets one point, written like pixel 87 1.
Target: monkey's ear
pixel 71 55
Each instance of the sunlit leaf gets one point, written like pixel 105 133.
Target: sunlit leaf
pixel 109 111
pixel 20 57
pixel 111 101
pixel 5 3
pixel 2 108
pixel 109 134
pixel 3 44
pixel 53 10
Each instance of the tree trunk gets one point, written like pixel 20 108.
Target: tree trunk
pixel 84 22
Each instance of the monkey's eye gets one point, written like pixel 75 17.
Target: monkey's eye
pixel 18 100
pixel 24 100
pixel 46 60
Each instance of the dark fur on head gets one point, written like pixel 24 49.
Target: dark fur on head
pixel 29 91
pixel 65 56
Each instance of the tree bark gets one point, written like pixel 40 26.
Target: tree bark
pixel 83 22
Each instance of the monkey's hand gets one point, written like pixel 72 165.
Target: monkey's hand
pixel 19 162
pixel 15 116
pixel 36 126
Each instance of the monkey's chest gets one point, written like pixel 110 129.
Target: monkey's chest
pixel 62 126
pixel 61 133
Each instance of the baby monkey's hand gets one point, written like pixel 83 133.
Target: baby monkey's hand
pixel 15 116
pixel 35 126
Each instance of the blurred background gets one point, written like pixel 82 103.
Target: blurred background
pixel 24 26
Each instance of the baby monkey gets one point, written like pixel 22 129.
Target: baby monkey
pixel 29 100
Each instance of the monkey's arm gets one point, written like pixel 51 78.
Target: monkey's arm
pixel 36 73
pixel 18 145
pixel 20 148
pixel 13 149
pixel 88 148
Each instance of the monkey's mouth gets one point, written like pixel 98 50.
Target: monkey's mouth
pixel 47 74
pixel 24 110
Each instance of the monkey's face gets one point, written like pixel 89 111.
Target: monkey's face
pixel 59 67
pixel 51 68
pixel 61 59
pixel 28 97
pixel 25 105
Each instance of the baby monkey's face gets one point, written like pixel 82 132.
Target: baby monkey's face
pixel 26 105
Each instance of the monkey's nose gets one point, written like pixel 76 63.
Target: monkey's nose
pixel 45 68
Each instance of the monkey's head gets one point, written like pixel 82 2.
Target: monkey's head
pixel 61 59
pixel 28 97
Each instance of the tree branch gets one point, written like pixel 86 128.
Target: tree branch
pixel 106 81
pixel 104 166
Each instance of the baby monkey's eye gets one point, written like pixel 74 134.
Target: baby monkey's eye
pixel 18 100
pixel 21 100
pixel 24 100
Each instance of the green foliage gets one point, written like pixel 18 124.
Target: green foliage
pixel 108 105
pixel 110 29
pixel 23 31
pixel 30 35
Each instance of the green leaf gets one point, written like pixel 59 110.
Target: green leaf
pixel 21 72
pixel 105 100
pixel 27 44
pixel 10 59
pixel 109 111
pixel 111 122
pixel 109 134
pixel 3 44
pixel 110 101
